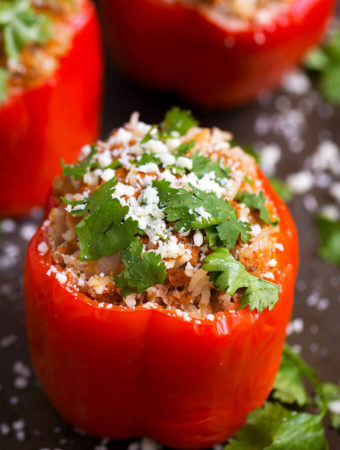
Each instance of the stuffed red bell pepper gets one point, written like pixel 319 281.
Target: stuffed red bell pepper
pixel 215 53
pixel 159 287
pixel 50 94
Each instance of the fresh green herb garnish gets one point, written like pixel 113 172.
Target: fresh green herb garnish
pixel 289 385
pixel 183 149
pixel 19 25
pixel 104 230
pixel 200 210
pixel 274 427
pixel 325 62
pixel 114 165
pixel 331 394
pixel 142 270
pixel 202 165
pixel 281 188
pixel 257 202
pixel 147 158
pixel 79 169
pixel 165 192
pixel 329 234
pixel 230 275
pixel 177 121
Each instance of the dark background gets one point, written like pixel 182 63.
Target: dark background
pixel 27 420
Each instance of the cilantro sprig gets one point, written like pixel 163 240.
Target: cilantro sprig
pixel 203 164
pixel 329 235
pixel 198 210
pixel 324 61
pixel 256 202
pixel 19 26
pixel 141 269
pixel 177 121
pixel 274 427
pixel 230 275
pixel 79 169
pixel 104 230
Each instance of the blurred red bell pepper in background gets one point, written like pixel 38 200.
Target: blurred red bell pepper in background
pixel 123 372
pixel 175 48
pixel 42 124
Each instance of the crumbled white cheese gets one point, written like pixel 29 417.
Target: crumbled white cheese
pixel 198 238
pixel 148 168
pixel 173 143
pixel 268 275
pixel 61 277
pixel 167 159
pixel 155 146
pixel 108 174
pixel 184 163
pixel 42 248
pixel 104 158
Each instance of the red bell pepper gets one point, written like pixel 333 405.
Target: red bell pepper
pixel 40 125
pixel 123 372
pixel 171 47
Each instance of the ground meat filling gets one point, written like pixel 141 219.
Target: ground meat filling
pixel 136 157
pixel 36 61
pixel 236 11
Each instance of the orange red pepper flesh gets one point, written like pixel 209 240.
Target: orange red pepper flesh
pixel 173 48
pixel 144 372
pixel 40 125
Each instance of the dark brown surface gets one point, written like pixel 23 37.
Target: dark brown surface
pixel 320 340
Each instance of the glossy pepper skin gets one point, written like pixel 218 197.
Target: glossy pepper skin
pixel 144 372
pixel 173 48
pixel 40 125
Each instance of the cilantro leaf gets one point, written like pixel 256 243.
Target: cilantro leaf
pixel 329 234
pixel 289 386
pixel 79 169
pixel 165 192
pixel 325 62
pixel 114 165
pixel 3 84
pixel 183 148
pixel 330 83
pixel 77 207
pixel 20 25
pixel 147 158
pixel 274 427
pixel 231 275
pixel 104 231
pixel 331 393
pixel 281 188
pixel 177 120
pixel 141 270
pixel 203 164
pixel 198 210
pixel 257 202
